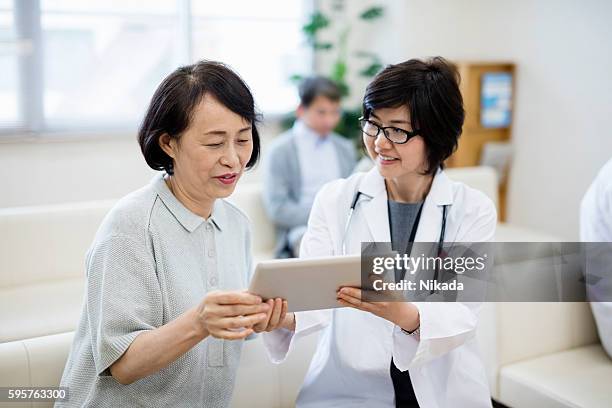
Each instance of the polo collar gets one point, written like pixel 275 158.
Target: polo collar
pixel 188 219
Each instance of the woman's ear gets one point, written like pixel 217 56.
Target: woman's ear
pixel 167 144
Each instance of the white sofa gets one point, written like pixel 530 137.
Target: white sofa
pixel 540 355
pixel 42 251
pixel 537 355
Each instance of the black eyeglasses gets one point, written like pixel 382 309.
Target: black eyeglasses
pixel 392 133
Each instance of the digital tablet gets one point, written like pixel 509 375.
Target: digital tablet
pixel 306 284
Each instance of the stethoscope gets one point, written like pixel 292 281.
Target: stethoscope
pixel 352 210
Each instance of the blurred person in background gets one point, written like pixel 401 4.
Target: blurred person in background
pixel 301 160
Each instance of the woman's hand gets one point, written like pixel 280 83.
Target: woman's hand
pixel 230 315
pixel 402 314
pixel 275 316
pixel 220 314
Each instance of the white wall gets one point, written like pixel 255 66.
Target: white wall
pixel 58 169
pixel 71 169
pixel 562 125
pixel 562 128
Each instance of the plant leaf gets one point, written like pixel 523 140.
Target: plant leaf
pixel 323 46
pixel 316 22
pixel 296 78
pixel 365 54
pixel 344 88
pixel 288 120
pixel 371 69
pixel 349 124
pixel 372 13
pixel 339 71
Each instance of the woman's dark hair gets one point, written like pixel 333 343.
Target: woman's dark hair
pixel 175 99
pixel 430 90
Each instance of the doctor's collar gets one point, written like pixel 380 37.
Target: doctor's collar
pixel 373 183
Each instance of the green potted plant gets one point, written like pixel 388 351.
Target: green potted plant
pixel 317 23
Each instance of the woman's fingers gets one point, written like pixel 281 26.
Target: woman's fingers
pixel 353 292
pixel 274 317
pixel 250 311
pixel 262 325
pixel 352 296
pixel 344 302
pixel 276 312
pixel 221 311
pixel 347 300
pixel 356 305
pixel 233 298
pixel 232 334
pixel 283 313
pixel 226 304
pixel 353 300
pixel 242 310
pixel 238 322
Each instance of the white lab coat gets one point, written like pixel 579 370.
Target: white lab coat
pixel 351 366
pixel 596 226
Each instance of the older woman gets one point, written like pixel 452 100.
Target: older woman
pixel 165 312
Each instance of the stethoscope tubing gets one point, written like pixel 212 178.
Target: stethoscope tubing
pixel 350 217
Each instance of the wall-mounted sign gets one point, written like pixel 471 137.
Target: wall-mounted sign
pixel 496 100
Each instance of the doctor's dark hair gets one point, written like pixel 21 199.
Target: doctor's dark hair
pixel 430 90
pixel 172 105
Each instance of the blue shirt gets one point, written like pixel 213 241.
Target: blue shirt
pixel 318 161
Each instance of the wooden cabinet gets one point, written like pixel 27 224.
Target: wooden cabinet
pixel 475 134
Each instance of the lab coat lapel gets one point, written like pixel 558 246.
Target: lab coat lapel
pixel 375 210
pixel 377 216
pixel 440 194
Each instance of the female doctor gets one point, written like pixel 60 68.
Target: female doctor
pixel 401 354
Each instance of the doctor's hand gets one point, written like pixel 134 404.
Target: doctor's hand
pixel 274 317
pixel 402 314
pixel 230 315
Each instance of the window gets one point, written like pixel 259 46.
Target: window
pixel 261 40
pixel 9 80
pixel 94 65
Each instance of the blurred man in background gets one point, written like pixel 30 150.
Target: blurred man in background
pixel 304 158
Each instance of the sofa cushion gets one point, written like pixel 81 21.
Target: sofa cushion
pixel 248 197
pixel 512 233
pixel 40 361
pixel 14 370
pixel 36 362
pixel 40 309
pixel 579 377
pixel 483 178
pixel 511 332
pixel 47 243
